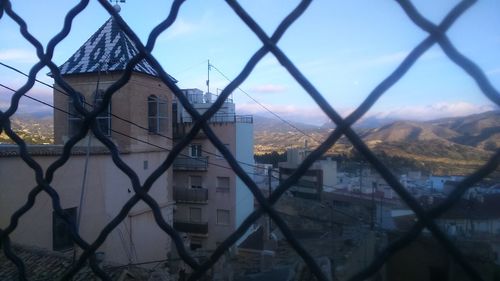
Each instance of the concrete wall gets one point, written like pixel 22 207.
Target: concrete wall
pixel 136 239
pixel 244 153
pixel 129 102
pixel 217 167
pixel 329 168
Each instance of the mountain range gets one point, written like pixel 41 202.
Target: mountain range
pixel 455 145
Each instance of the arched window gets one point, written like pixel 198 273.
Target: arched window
pixel 157 115
pixel 75 119
pixel 103 119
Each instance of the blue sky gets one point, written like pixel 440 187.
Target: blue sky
pixel 345 48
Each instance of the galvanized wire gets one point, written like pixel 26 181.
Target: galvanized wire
pixel 437 34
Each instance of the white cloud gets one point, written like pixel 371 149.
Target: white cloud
pixel 268 88
pixel 182 27
pixel 494 71
pixel 356 62
pixel 393 59
pixel 18 56
pixel 314 115
pixel 304 114
pixel 434 111
pixel 4 105
pixel 385 59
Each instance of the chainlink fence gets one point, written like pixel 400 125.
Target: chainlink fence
pixel 436 35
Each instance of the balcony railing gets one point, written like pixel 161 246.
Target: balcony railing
pixel 224 118
pixel 181 130
pixel 191 163
pixel 191 227
pixel 191 195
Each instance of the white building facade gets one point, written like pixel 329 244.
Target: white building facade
pixel 211 201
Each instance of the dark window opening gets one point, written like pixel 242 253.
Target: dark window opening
pixel 61 233
pixel 157 115
pixel 104 118
pixel 195 150
pixel 74 117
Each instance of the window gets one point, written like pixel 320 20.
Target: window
pixel 61 235
pixel 195 182
pixel 195 150
pixel 74 118
pixel 194 214
pixel 222 184
pixel 223 217
pixel 103 119
pixel 157 114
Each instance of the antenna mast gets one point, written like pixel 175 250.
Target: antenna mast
pixel 208 76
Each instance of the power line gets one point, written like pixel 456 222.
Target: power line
pixel 120 133
pixel 112 114
pixel 189 68
pixel 267 109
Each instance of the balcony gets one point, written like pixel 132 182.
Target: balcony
pixel 191 227
pixel 181 130
pixel 191 163
pixel 224 118
pixel 190 195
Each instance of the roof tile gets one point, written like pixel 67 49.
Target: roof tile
pixel 109 49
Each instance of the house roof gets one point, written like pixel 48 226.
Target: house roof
pixel 281 273
pixel 41 264
pixel 9 150
pixel 108 49
pixel 254 241
pixel 480 209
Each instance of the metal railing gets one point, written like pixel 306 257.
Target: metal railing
pixel 191 163
pixel 185 194
pixel 436 35
pixel 224 118
pixel 191 227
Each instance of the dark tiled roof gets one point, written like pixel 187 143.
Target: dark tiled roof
pixel 282 273
pixel 46 265
pixel 254 241
pixel 8 150
pixel 109 49
pixel 487 208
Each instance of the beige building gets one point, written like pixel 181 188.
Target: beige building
pixel 323 173
pixel 211 202
pixel 91 188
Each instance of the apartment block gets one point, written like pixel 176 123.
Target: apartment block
pixel 211 201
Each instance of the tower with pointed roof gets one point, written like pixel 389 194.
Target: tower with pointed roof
pixel 139 109
pixel 139 122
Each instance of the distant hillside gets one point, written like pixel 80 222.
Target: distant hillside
pixel 479 130
pixel 457 145
pixel 33 129
pixel 271 134
pixel 408 131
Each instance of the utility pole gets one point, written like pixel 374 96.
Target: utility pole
pixel 374 209
pixel 208 76
pixel 269 180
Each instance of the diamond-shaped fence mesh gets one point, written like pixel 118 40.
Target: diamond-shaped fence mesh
pixel 436 35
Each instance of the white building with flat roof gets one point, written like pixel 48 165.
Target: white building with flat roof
pixel 211 201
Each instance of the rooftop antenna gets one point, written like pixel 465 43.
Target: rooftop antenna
pixel 208 76
pixel 117 6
